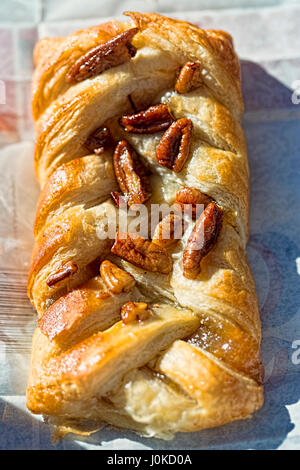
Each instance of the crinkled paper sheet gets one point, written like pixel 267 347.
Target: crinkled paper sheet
pixel 267 40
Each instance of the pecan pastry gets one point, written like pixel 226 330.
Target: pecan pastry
pixel 159 334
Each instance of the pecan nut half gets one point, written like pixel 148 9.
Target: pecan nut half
pixel 202 239
pixel 67 270
pixel 189 78
pixel 135 311
pixel 193 197
pixel 154 119
pixel 174 146
pixel 116 279
pixel 131 174
pixel 142 253
pixel 100 139
pixel 169 230
pixel 103 57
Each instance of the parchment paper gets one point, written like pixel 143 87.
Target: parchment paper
pixel 267 42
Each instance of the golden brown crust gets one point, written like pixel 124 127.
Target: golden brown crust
pixel 107 354
pixel 81 313
pixel 219 44
pixel 80 179
pixel 187 354
pixel 53 56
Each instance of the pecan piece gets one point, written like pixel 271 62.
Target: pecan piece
pixel 142 253
pixel 202 239
pixel 189 78
pixel 174 146
pixel 116 279
pixel 103 57
pixel 192 197
pixel 100 139
pixel 169 230
pixel 154 119
pixel 132 311
pixel 67 270
pixel 131 174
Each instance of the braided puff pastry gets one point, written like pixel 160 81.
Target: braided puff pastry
pixel 156 335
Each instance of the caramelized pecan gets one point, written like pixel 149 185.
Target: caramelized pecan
pixel 132 311
pixel 100 139
pixel 151 120
pixel 192 197
pixel 103 57
pixel 116 279
pixel 142 253
pixel 202 239
pixel 169 230
pixel 67 270
pixel 131 174
pixel 189 77
pixel 174 146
